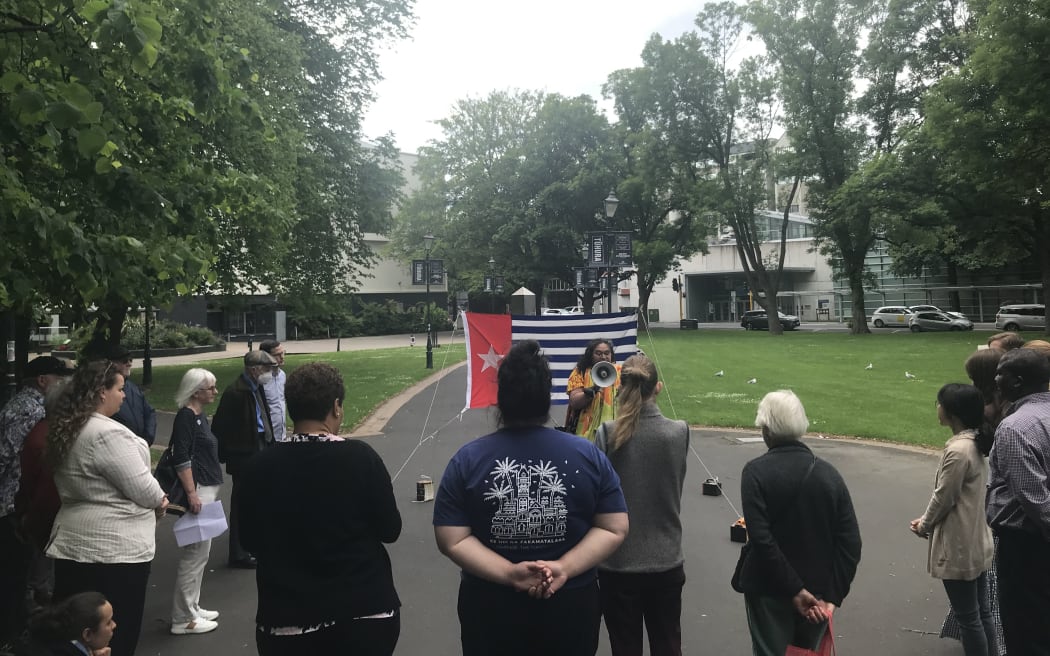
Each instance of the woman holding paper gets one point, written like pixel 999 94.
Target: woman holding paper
pixel 195 453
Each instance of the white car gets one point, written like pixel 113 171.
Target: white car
pixel 552 311
pixel 576 309
pixel 891 315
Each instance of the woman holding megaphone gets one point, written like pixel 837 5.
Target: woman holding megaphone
pixel 592 394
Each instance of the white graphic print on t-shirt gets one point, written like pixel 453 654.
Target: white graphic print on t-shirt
pixel 530 504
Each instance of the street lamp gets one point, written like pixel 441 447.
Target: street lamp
pixel 611 202
pixel 428 241
pixel 492 284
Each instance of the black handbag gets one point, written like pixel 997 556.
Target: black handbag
pixel 745 550
pixel 169 481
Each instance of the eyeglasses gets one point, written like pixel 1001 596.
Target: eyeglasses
pixel 126 361
pixel 213 388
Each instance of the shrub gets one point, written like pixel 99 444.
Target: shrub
pixel 163 334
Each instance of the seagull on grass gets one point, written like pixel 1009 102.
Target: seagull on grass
pixel 752 381
pixel 909 375
pixel 869 366
pixel 720 373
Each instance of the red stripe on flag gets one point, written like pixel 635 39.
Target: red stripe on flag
pixel 488 340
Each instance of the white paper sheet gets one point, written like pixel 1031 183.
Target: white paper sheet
pixel 208 524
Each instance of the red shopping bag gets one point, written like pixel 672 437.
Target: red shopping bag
pixel 826 648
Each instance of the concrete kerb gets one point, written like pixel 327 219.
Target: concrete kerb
pixel 373 424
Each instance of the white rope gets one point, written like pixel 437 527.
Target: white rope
pixel 423 436
pixel 674 413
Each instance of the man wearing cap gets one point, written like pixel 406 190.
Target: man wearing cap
pixel 243 427
pixel 136 413
pixel 19 416
pixel 275 389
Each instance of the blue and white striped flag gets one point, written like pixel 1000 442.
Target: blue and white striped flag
pixel 564 337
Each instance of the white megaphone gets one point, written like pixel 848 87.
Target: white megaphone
pixel 603 374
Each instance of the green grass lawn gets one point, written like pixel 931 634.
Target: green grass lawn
pixel 371 377
pixel 826 370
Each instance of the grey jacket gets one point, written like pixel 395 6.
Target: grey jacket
pixel 651 466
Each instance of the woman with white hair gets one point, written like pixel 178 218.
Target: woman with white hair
pixel 195 455
pixel 804 543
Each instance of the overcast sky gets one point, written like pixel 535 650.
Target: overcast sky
pixel 467 48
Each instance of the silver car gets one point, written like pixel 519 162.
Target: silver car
pixel 934 308
pixel 1031 316
pixel 923 321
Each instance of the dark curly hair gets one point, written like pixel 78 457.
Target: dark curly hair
pixel 524 378
pixel 586 361
pixel 68 413
pixel 312 389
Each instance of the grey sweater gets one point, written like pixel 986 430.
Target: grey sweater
pixel 651 466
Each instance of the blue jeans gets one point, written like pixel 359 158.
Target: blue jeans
pixel 969 600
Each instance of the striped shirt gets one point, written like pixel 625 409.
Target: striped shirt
pixel 1019 486
pixel 108 497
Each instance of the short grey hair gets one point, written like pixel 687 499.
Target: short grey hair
pixel 782 415
pixel 192 381
pixel 258 359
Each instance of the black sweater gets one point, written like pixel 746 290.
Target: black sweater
pixel 316 515
pixel 799 538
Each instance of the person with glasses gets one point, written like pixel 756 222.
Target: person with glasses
pixel 590 405
pixel 195 454
pixel 136 413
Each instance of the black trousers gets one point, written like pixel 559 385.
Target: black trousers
pixel 363 637
pixel 1022 565
pixel 13 568
pixel 655 599
pixel 495 619
pixel 123 584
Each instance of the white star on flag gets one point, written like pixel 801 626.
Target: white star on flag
pixel 491 359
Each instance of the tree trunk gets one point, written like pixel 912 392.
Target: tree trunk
pixel 859 325
pixel 1042 237
pixel 953 280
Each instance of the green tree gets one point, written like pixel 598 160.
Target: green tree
pixel 135 179
pixel 513 178
pixel 990 120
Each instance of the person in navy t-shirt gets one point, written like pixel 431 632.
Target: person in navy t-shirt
pixel 528 512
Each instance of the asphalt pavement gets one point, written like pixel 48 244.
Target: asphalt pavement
pixel 895 607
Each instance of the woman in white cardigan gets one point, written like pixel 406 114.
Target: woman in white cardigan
pixel 961 549
pixel 103 538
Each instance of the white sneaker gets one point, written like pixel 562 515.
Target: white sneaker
pixel 197 625
pixel 211 615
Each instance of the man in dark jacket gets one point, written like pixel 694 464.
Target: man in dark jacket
pixel 243 428
pixel 136 413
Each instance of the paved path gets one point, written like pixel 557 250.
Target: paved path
pixel 892 609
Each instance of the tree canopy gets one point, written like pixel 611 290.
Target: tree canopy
pixel 153 149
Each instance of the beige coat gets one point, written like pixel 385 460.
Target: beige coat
pixel 108 497
pixel 960 541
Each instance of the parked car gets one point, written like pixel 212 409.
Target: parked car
pixel 921 321
pixel 575 309
pixel 757 320
pixel 891 315
pixel 553 311
pixel 934 308
pixel 1031 316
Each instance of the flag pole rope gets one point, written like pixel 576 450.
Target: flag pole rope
pixel 667 393
pixel 423 436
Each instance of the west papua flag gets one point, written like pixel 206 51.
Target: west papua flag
pixel 562 337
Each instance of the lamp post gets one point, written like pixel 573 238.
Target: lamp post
pixel 611 202
pixel 428 241
pixel 492 284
